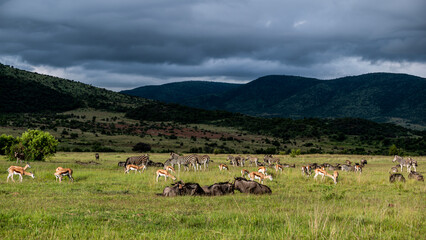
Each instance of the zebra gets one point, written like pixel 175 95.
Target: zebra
pixel 252 160
pixel 138 160
pixel 271 160
pixel 182 160
pixel 205 159
pixel 409 162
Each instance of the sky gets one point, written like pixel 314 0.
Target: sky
pixel 131 43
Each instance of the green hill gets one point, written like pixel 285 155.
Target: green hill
pixel 23 91
pixel 377 96
pixel 181 92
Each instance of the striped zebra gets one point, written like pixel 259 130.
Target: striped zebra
pixel 138 160
pixel 408 162
pixel 182 160
pixel 205 159
pixel 271 160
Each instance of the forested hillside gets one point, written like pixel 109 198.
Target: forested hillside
pixel 23 91
pixel 86 118
pixel 380 97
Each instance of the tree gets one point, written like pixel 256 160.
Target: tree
pixel 6 141
pixel 141 147
pixel 393 150
pixel 38 145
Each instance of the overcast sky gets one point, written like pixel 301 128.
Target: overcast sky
pixel 130 43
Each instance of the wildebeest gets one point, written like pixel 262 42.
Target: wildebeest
pixel 97 156
pixel 155 164
pixel 246 186
pixel 415 175
pixel 219 189
pixel 394 169
pixel 122 164
pixel 363 162
pixel 173 191
pixel 396 177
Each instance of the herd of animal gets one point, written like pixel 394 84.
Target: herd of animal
pixel 140 164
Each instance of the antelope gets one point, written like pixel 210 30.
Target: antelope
pixel 324 173
pixel 262 170
pixel 170 169
pixel 279 167
pixel 259 176
pixel 223 167
pixel 61 172
pixel 358 168
pixel 13 170
pixel 165 174
pixel 244 172
pixel 134 168
pixel 306 170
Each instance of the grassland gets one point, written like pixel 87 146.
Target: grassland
pixel 104 203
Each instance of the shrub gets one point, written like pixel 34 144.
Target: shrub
pixel 36 145
pixel 141 147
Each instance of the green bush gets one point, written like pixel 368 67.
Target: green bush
pixel 36 145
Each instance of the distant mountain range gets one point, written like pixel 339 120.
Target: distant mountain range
pixel 381 97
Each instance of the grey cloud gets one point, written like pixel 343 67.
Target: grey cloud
pixel 139 42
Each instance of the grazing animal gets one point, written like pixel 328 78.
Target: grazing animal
pixel 235 161
pixel 165 174
pixel 278 168
pixel 170 169
pixel 97 156
pixel 324 173
pixel 262 170
pixel 347 168
pixel 244 172
pixel 13 170
pixel 134 168
pixel 286 165
pixel 182 160
pixel 252 160
pixel 192 189
pixel 306 170
pixel 138 160
pixel 223 167
pixel 19 157
pixel 271 160
pixel 396 177
pixel 413 163
pixel 219 189
pixel 363 162
pixel 415 175
pixel 122 164
pixel 348 162
pixel 394 169
pixel 403 162
pixel 259 176
pixel 358 168
pixel 245 186
pixel 62 172
pixel 205 159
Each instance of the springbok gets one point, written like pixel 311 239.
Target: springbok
pixel 61 172
pixel 165 174
pixel 279 167
pixel 358 168
pixel 259 176
pixel 244 172
pixel 262 170
pixel 306 170
pixel 170 169
pixel 134 168
pixel 223 167
pixel 324 173
pixel 13 170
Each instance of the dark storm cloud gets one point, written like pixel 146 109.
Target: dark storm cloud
pixel 131 43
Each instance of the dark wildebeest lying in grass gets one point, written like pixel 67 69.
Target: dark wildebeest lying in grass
pixel 155 164
pixel 415 175
pixel 396 177
pixel 183 189
pixel 219 189
pixel 246 186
